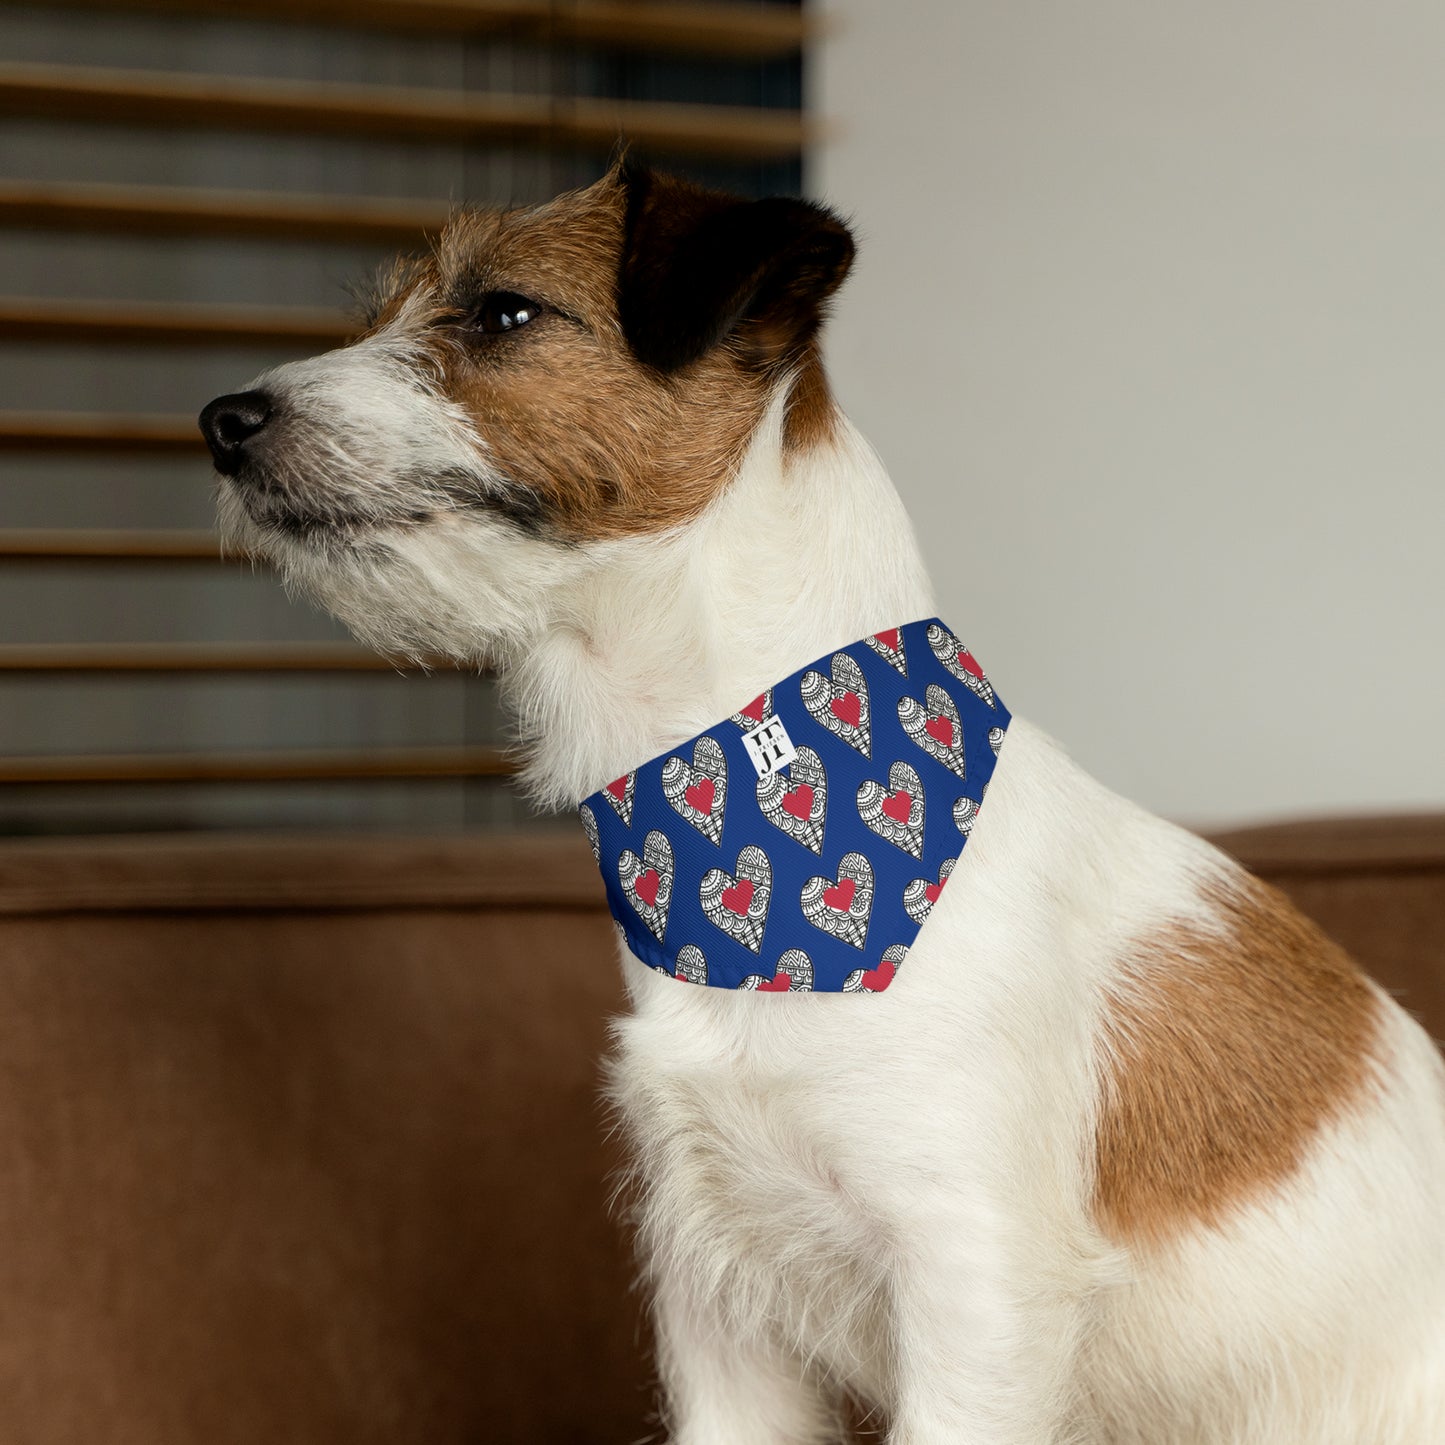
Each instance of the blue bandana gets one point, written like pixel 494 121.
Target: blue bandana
pixel 801 844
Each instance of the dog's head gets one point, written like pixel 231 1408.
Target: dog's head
pixel 568 376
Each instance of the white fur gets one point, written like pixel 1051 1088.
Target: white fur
pixel 891 1194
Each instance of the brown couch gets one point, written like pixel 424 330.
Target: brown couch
pixel 301 1138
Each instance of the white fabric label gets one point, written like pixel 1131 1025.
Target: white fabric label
pixel 769 746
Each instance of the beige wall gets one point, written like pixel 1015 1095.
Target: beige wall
pixel 1149 323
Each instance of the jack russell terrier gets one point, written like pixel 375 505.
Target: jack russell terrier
pixel 1099 1142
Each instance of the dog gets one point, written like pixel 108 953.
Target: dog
pixel 1126 1152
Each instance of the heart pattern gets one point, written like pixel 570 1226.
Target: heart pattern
pixel 895 813
pixel 621 795
pixel 699 793
pixel 954 656
pixel 701 915
pixel 798 803
pixel 889 646
pixel 875 980
pixel 691 964
pixel 647 881
pixel 759 708
pixel 794 974
pixel 935 727
pixel 842 907
pixel 840 703
pixel 965 810
pixel 738 904
pixel 920 895
pixel 589 827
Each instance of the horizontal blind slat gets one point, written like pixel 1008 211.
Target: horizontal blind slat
pixel 179 210
pixel 714 28
pixel 171 323
pixel 218 102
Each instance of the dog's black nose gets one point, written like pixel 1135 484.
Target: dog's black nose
pixel 229 422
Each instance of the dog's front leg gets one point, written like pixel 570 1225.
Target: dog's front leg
pixel 985 1345
pixel 723 1386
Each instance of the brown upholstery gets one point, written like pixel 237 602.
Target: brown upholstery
pixel 301 1139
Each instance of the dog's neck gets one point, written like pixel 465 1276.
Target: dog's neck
pixel 657 638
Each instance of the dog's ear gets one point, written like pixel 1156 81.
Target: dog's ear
pixel 699 266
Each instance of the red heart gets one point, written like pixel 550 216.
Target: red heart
pixel 889 638
pixel 799 802
pixel 779 983
pixel 848 708
pixel 754 709
pixel 619 788
pixel 931 891
pixel 737 898
pixel 966 661
pixel 898 806
pixel 701 795
pixel 877 979
pixel 940 728
pixel 840 895
pixel 646 887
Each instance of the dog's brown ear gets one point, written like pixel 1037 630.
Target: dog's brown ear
pixel 699 266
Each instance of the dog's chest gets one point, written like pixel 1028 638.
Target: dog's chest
pixel 750 1173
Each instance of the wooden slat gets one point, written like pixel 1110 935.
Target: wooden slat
pixel 711 29
pixel 80 431
pixel 177 211
pixel 75 544
pixel 259 767
pixel 199 657
pixel 171 323
pixel 219 102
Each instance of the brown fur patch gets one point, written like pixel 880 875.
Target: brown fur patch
pixel 602 444
pixel 1226 1052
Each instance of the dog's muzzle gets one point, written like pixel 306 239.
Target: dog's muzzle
pixel 230 422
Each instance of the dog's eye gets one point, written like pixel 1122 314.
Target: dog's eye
pixel 504 311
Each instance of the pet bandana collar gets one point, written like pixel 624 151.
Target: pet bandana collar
pixel 799 845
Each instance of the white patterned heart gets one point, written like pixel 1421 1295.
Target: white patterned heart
pixel 699 793
pixel 691 964
pixel 935 727
pixel 965 810
pixel 759 708
pixel 840 703
pixel 995 739
pixel 895 813
pixel 738 904
pixel 920 895
pixel 889 646
pixel 842 907
pixel 620 794
pixel 647 881
pixel 589 827
pixel 797 804
pixel 875 980
pixel 959 661
pixel 794 974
